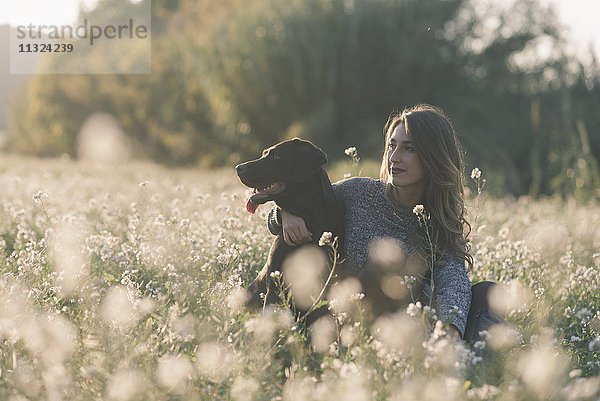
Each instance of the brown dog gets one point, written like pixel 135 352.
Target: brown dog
pixel 291 174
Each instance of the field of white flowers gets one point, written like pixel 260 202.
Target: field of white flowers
pixel 124 283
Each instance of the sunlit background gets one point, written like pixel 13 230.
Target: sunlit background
pixel 580 17
pixel 514 76
pixel 126 247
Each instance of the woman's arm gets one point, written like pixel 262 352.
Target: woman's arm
pixel 293 227
pixel 452 288
pixel 341 190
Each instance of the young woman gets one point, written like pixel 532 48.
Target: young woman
pixel 421 165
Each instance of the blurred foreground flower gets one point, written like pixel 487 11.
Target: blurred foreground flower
pixel 323 333
pixel 238 298
pixel 102 140
pixel 399 332
pixel 126 384
pixel 502 336
pixel 215 361
pixel 66 250
pixel 119 307
pixel 342 294
pixel 264 326
pixel 243 388
pixel 174 372
pixel 509 298
pixel 543 371
pixel 303 272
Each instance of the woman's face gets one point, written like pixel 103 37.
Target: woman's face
pixel 405 168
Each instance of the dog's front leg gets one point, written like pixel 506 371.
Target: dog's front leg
pixel 263 283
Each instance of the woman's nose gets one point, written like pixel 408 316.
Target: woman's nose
pixel 395 155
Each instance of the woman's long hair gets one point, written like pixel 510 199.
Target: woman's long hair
pixel 439 150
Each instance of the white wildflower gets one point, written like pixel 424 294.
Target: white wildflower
pixel 419 210
pixel 357 296
pixel 414 308
pixel 438 330
pixel 584 314
pixel 39 196
pixel 326 238
pixel 223 258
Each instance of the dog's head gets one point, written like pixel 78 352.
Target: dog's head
pixel 280 167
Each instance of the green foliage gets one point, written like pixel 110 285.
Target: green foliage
pixel 232 77
pixel 329 71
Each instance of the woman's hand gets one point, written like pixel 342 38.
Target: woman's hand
pixel 294 229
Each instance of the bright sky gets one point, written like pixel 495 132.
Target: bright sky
pixel 581 16
pixel 55 12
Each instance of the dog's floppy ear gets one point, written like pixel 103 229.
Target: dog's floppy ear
pixel 308 160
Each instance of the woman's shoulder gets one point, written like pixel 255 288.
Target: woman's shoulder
pixel 359 183
pixel 355 189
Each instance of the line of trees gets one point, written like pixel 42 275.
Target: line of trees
pixel 232 77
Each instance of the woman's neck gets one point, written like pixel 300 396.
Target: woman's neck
pixel 408 196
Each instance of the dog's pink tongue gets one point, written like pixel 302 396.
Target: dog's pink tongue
pixel 251 206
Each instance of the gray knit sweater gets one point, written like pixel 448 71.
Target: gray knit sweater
pixel 369 215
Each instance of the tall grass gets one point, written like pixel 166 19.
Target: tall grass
pixel 127 284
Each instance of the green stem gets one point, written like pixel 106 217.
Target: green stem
pixel 316 301
pixel 432 256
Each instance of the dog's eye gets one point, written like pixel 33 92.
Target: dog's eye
pixel 275 157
